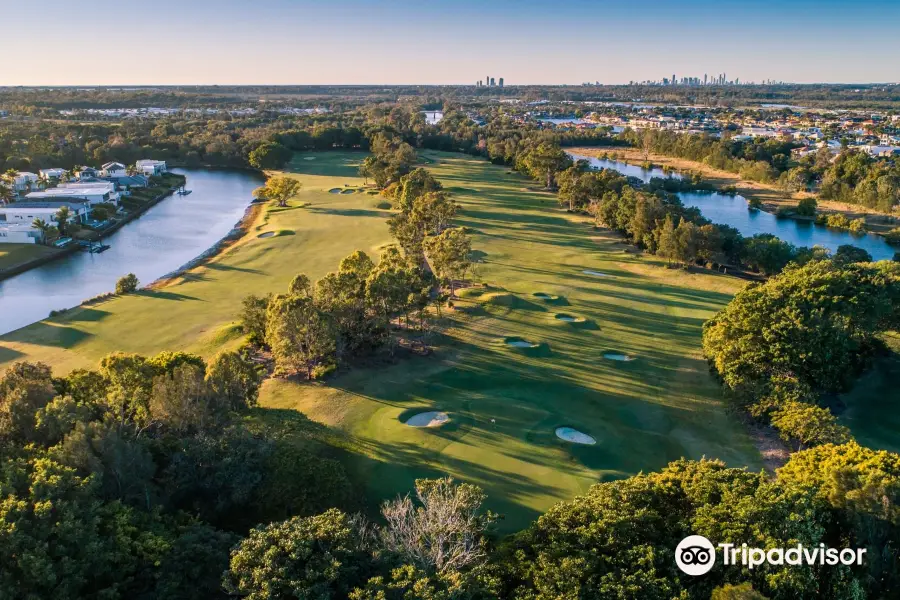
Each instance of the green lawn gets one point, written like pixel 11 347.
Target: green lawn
pixel 870 408
pixel 505 403
pixel 13 255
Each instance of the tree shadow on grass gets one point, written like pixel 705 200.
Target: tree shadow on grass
pixel 217 266
pixel 349 212
pixel 9 355
pixel 86 314
pixel 49 333
pixel 165 295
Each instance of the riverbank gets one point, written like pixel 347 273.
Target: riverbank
pixel 771 197
pixel 34 258
pixel 251 218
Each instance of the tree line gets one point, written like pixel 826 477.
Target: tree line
pixel 135 479
pixel 315 328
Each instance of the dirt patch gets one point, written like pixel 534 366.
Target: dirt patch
pixel 772 448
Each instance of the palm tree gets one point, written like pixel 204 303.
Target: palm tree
pixel 6 193
pixel 41 225
pixel 62 219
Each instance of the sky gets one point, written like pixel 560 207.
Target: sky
pixel 156 42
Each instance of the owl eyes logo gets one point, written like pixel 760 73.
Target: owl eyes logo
pixel 695 555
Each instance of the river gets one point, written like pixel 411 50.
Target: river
pixel 167 236
pixel 732 210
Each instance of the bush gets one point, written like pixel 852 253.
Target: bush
pixel 127 284
pixel 807 207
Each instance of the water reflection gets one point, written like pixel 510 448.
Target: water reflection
pixel 732 210
pixel 164 238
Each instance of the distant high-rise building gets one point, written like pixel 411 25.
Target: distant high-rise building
pixel 704 79
pixel 673 79
pixel 492 82
pixel 487 80
pixel 501 82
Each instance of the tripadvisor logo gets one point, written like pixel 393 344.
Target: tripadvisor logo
pixel 696 555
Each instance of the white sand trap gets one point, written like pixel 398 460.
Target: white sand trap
pixel 521 344
pixel 428 419
pixel 618 356
pixel 574 436
pixel 267 234
pixel 309 158
pixel 596 273
pixel 334 191
pixel 569 318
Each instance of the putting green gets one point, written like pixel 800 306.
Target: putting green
pixel 506 403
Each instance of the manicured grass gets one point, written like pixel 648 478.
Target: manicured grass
pixel 870 408
pixel 193 312
pixel 13 255
pixel 504 402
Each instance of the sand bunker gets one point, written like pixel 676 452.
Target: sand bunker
pixel 618 356
pixel 517 342
pixel 574 436
pixel 545 296
pixel 266 234
pixel 309 158
pixel 569 318
pixel 596 273
pixel 428 419
pixel 335 191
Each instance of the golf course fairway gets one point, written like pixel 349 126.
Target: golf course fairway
pixel 504 403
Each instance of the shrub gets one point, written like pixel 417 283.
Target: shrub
pixel 807 207
pixel 127 284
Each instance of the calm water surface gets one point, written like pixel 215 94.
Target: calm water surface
pixel 732 210
pixel 164 238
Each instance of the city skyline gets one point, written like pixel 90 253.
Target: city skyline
pixel 532 42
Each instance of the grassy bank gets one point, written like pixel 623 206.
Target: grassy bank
pixel 13 256
pixel 770 195
pixel 504 402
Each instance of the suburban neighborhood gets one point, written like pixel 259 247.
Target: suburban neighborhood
pixel 43 207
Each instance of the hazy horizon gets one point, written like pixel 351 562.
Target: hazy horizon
pixel 532 42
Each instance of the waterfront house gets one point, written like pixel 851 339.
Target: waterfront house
pixel 128 182
pixel 110 186
pixel 26 211
pixel 52 174
pixel 151 167
pixel 19 233
pixel 92 193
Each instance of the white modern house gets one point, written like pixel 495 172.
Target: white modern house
pixel 19 233
pixel 52 174
pixel 113 170
pixel 24 180
pixel 25 212
pixel 150 167
pixel 92 194
pixel 109 186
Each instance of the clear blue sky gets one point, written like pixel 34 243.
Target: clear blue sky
pixel 56 42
